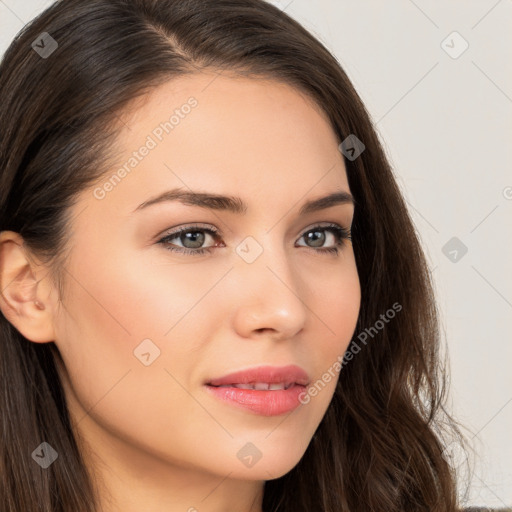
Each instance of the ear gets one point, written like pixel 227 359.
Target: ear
pixel 24 290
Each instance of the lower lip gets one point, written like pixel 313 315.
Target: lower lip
pixel 263 402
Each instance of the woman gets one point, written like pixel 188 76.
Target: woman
pixel 213 297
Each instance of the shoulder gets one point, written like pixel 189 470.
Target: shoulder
pixel 485 509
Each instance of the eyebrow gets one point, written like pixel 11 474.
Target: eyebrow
pixel 236 204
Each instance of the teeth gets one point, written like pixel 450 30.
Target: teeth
pixel 243 386
pixel 259 386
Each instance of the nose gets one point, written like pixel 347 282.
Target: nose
pixel 270 300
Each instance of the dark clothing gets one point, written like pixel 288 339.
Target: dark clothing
pixel 486 509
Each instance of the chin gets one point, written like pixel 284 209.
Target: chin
pixel 269 461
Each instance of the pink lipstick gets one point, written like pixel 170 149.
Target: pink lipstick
pixel 265 390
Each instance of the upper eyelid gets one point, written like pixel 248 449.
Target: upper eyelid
pixel 176 231
pixel 171 231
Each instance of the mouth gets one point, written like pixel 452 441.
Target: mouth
pixel 265 390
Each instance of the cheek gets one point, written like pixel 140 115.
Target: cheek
pixel 335 306
pixel 108 313
pixel 135 296
pixel 120 309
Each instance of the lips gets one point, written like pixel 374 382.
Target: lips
pixel 266 390
pixel 263 378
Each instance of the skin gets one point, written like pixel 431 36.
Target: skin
pixel 152 436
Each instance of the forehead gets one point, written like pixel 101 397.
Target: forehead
pixel 251 137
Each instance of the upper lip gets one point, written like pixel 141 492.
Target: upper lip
pixel 291 374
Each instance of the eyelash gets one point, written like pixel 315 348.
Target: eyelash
pixel 340 232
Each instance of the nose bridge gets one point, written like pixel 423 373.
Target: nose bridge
pixel 271 296
pixel 266 260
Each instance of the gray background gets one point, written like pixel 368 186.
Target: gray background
pixel 445 119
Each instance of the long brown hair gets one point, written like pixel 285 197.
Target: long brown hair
pixel 380 445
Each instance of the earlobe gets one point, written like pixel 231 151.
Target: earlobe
pixel 22 290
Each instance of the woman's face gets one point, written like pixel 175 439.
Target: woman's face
pixel 143 328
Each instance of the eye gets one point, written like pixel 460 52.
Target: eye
pixel 193 237
pixel 317 236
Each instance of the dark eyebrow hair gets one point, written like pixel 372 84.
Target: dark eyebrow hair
pixel 236 205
